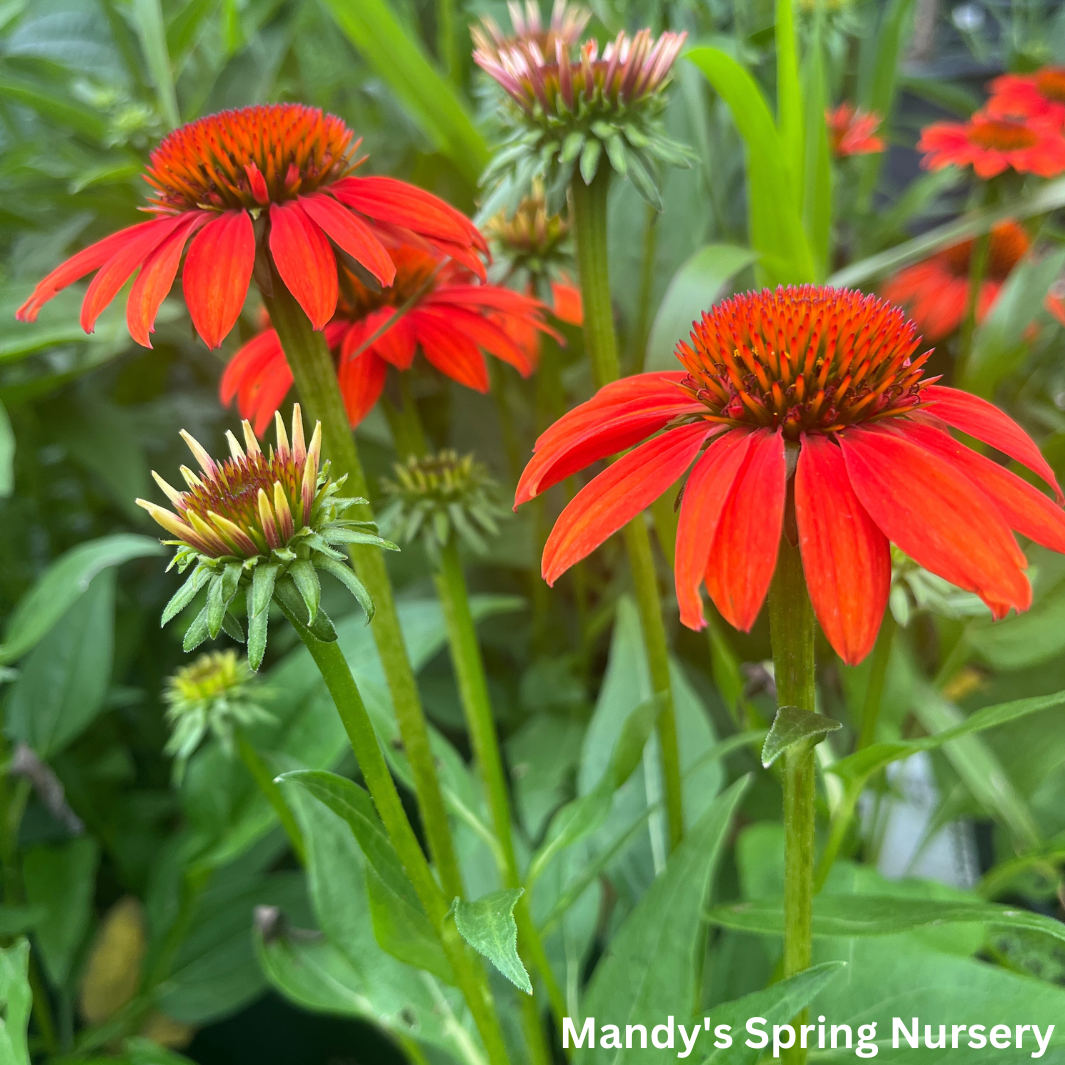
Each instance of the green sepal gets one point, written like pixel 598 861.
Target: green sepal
pixel 339 535
pixel 593 149
pixel 643 181
pixel 615 150
pixel 258 624
pixel 571 147
pixel 287 595
pixel 261 590
pixel 196 633
pixel 306 580
pixel 347 577
pixel 233 628
pixel 185 594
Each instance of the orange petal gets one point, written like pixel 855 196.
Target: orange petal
pixel 352 234
pixel 450 352
pixel 362 380
pixel 305 261
pixel 618 494
pixel 846 558
pixel 744 553
pixel 217 273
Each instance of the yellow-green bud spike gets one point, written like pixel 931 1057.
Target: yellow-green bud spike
pixel 234 532
pixel 251 441
pixel 199 453
pixel 208 534
pixel 169 491
pixel 234 447
pixel 190 478
pixel 282 436
pixel 299 445
pixel 266 516
pixel 285 524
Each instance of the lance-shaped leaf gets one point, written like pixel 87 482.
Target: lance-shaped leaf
pixel 489 927
pixel 792 726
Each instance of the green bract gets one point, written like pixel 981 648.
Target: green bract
pixel 437 496
pixel 574 111
pixel 264 525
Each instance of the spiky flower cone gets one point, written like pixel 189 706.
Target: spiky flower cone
pixel 265 524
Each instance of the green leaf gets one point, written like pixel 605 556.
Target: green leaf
pixel 817 164
pixel 789 94
pixel 698 284
pixel 1046 198
pixel 196 633
pixel 403 65
pixel 62 111
pixel 148 17
pixel 775 222
pixel 871 915
pixel 63 682
pixel 489 927
pixel 778 1004
pixel 16 1001
pixel 185 594
pixel 648 970
pixel 590 159
pixel 859 765
pixel 63 583
pixel 791 726
pixel 7 455
pixel 346 575
pixel 61 881
pixel 306 580
pixel 1023 640
pixel 288 595
pixel 399 922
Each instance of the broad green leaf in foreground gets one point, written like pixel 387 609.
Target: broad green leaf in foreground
pixel 488 926
pixel 16 1000
pixel 649 966
pixel 65 581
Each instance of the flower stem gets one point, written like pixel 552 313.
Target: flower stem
pixel 473 689
pixel 407 432
pixel 469 973
pixel 264 778
pixel 590 230
pixel 792 628
pixel 312 367
pixel 641 328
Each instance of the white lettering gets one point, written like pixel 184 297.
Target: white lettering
pixel 898 1028
pixel 629 1029
pixel 587 1032
pixel 998 1033
pixel 1043 1043
pixel 954 1030
pixel 836 1029
pixel 778 1044
pixel 668 1029
pixel 942 1037
pixel 803 1029
pixel 867 1047
pixel 753 1028
pixel 723 1032
pixel 611 1032
pixel 976 1031
pixel 689 1044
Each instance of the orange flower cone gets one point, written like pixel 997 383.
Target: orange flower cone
pixel 272 184
pixel 816 391
pixel 443 314
pixel 992 144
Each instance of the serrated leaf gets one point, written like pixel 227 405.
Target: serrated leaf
pixel 262 588
pixel 286 593
pixel 185 594
pixel 232 628
pixel 792 726
pixel 346 576
pixel 306 580
pixel 258 629
pixel 196 633
pixel 615 150
pixel 571 147
pixel 489 927
pixel 643 181
pixel 590 154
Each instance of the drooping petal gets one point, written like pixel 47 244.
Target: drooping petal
pixel 156 278
pixel 617 495
pixel 705 493
pixel 217 273
pixel 248 364
pixel 119 268
pixel 1023 507
pixel 362 380
pixel 451 353
pixel 481 332
pixel 744 553
pixel 845 557
pixel 985 422
pixel 568 306
pixel 77 266
pixel 351 234
pixel 397 345
pixel 933 512
pixel 305 261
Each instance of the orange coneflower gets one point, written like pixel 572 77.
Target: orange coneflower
pixel 935 292
pixel 253 187
pixel 435 307
pixel 852 131
pixel 992 144
pixel 1040 95
pixel 819 387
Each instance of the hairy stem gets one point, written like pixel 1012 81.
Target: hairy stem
pixel 315 376
pixel 469 973
pixel 590 229
pixel 792 628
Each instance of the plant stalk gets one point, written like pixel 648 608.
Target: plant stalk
pixel 792 627
pixel 264 778
pixel 407 432
pixel 590 230
pixel 312 367
pixel 473 689
pixel 469 973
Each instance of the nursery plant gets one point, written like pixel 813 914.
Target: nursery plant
pixel 409 732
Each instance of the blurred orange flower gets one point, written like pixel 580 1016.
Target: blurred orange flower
pixel 1040 95
pixel 992 145
pixel 851 131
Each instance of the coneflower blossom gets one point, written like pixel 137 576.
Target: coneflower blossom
pixel 258 191
pixel 432 306
pixel 935 292
pixel 582 109
pixel 815 395
pixel 992 144
pixel 852 131
pixel 1039 95
pixel 565 28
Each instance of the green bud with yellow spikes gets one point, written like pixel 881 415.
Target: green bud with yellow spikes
pixel 262 525
pixel 436 497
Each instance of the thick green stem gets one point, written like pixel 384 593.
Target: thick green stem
pixel 312 367
pixel 641 328
pixel 445 38
pixel 407 432
pixel 590 229
pixel 469 973
pixel 978 263
pixel 792 628
pixel 473 690
pixel 264 778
